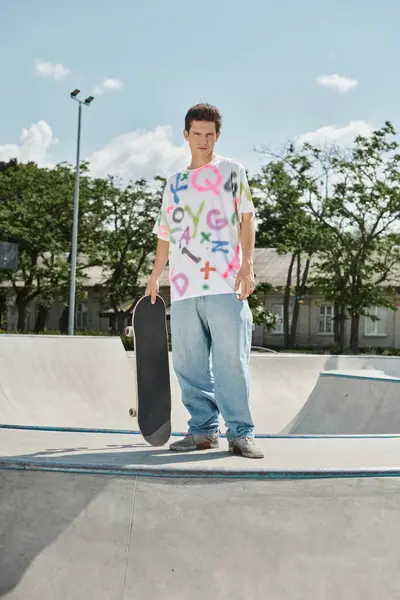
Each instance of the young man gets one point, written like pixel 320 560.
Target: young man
pixel 206 230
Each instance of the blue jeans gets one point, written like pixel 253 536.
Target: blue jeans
pixel 211 342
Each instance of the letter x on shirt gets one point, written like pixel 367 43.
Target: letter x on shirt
pixel 200 216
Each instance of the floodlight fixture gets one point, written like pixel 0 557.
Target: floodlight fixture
pixel 72 290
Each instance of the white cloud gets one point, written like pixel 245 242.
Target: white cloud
pixel 112 84
pixel 139 154
pixel 35 145
pixel 338 82
pixel 48 69
pixel 331 134
pixel 107 85
pixel 131 155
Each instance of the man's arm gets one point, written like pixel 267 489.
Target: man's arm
pixel 162 230
pixel 159 265
pixel 248 238
pixel 161 258
pixel 245 276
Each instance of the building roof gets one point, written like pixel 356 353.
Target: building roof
pixel 269 266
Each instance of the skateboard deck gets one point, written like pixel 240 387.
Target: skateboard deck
pixel 150 335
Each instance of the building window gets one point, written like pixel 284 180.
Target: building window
pixel 81 316
pixel 325 322
pixel 376 327
pixel 278 310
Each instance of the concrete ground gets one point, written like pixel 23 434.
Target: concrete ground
pixel 71 537
pixel 105 516
pixel 130 455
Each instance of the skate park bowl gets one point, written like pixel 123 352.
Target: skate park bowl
pixel 89 510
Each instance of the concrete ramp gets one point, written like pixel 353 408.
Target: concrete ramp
pixel 280 384
pixel 358 402
pixel 70 381
pixel 89 382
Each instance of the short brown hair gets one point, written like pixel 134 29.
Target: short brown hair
pixel 204 112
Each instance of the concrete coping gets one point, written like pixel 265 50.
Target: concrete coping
pixel 363 374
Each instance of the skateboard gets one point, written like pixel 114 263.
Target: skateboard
pixel 149 330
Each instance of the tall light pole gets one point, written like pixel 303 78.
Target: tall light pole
pixel 71 312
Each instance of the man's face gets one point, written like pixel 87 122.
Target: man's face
pixel 201 137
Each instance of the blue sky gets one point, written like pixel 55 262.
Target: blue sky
pixel 278 70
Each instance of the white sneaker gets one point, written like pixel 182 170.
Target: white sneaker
pixel 245 447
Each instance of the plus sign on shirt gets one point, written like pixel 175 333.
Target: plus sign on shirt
pixel 200 216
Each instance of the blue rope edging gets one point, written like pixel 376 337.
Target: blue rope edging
pixel 93 430
pixel 12 465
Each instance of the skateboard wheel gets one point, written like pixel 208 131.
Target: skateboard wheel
pixel 132 412
pixel 129 331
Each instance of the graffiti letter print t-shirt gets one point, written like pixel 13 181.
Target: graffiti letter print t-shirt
pixel 200 216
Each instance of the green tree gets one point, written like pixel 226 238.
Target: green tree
pixel 256 300
pixel 36 207
pixel 128 241
pixel 287 224
pixel 360 260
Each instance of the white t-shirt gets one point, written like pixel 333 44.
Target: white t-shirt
pixel 200 216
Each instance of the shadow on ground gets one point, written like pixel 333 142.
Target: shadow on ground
pixel 126 455
pixel 35 508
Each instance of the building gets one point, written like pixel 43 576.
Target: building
pixel 315 326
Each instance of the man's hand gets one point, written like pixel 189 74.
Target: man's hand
pixel 245 279
pixel 152 288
